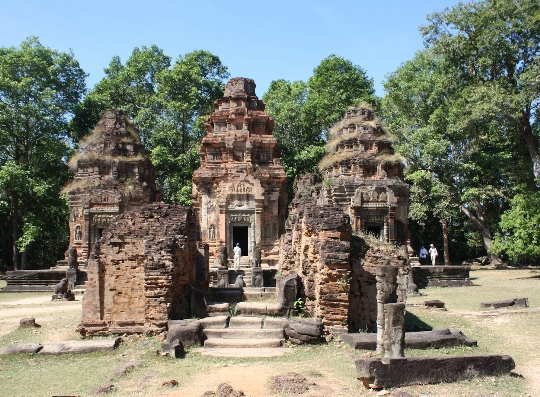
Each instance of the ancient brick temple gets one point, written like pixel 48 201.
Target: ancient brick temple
pixel 113 174
pixel 141 269
pixel 363 176
pixel 240 189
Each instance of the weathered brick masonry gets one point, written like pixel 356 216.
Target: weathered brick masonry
pixel 140 269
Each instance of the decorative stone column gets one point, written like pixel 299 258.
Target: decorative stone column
pixel 386 276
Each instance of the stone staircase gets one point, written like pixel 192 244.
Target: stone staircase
pixel 247 332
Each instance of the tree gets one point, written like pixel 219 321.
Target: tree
pixel 303 112
pixel 520 236
pixel 335 85
pixel 39 88
pixel 166 103
pixel 453 165
pixel 186 94
pixel 494 45
pixel 131 87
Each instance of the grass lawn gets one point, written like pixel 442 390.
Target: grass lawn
pixel 329 367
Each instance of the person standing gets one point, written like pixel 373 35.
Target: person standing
pixel 433 253
pixel 237 254
pixel 423 255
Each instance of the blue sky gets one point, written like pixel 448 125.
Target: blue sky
pixel 262 40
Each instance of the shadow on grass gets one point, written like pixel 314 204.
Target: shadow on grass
pixel 414 324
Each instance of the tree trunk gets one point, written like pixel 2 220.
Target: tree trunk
pixel 480 225
pixel 24 255
pixel 15 232
pixel 525 130
pixel 445 242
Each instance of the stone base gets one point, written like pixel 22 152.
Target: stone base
pixel 33 280
pixel 103 328
pixel 437 338
pixel 396 372
pixel 68 296
pixel 441 276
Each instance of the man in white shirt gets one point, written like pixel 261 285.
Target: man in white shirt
pixel 433 253
pixel 237 254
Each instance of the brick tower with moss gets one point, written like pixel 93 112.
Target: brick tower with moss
pixel 113 174
pixel 364 176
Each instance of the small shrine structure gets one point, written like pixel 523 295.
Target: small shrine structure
pixel 240 189
pixel 113 174
pixel 363 176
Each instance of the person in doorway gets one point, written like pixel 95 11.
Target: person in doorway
pixel 237 254
pixel 433 253
pixel 423 256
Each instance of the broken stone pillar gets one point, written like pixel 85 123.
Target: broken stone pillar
pixel 394 329
pixel 386 293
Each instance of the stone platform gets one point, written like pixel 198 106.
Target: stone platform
pixel 441 276
pixel 436 338
pixel 379 373
pixel 33 280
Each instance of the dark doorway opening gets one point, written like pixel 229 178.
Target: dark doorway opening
pixel 240 235
pixel 374 230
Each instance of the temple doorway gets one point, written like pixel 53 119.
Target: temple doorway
pixel 375 230
pixel 240 235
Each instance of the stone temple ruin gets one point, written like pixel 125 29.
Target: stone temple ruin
pixel 364 177
pixel 113 174
pixel 156 263
pixel 154 267
pixel 240 189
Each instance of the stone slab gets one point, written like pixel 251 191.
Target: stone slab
pixel 521 302
pixel 243 352
pixel 245 322
pixel 77 347
pixel 242 343
pixel 404 371
pixel 244 333
pixel 275 322
pixel 214 322
pixel 23 348
pixel 436 338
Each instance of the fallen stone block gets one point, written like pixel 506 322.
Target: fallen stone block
pixel 186 331
pixel 80 346
pixel 28 322
pixel 436 338
pixel 404 371
pixel 434 303
pixel 521 302
pixel 174 348
pixel 23 348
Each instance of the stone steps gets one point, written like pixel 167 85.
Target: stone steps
pixel 242 343
pixel 246 332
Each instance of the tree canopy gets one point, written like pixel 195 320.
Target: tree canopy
pixel 305 111
pixel 167 104
pixel 39 89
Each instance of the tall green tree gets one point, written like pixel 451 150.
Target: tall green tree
pixel 39 88
pixel 166 103
pixel 453 166
pixel 494 45
pixel 335 85
pixel 305 111
pixel 185 95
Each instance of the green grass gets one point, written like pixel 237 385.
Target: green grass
pixel 507 333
